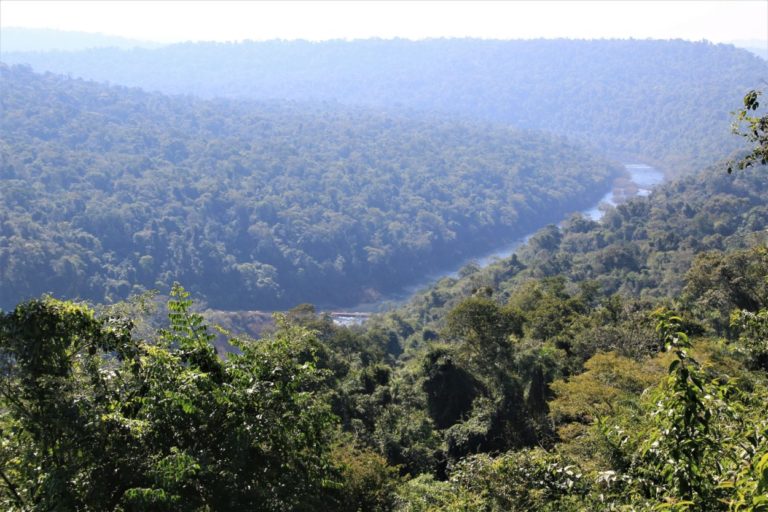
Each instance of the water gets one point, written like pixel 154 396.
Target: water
pixel 642 178
pixel 348 319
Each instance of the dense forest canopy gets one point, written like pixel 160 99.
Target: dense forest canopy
pixel 629 97
pixel 551 393
pixel 108 191
pixel 641 249
pixel 617 365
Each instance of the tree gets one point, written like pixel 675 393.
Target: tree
pixel 56 450
pixel 755 131
pixel 93 419
pixel 485 328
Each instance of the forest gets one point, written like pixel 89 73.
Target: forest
pixel 630 98
pixel 618 364
pixel 520 387
pixel 641 249
pixel 112 191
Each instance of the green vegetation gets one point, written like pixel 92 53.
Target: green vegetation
pixel 640 249
pixel 633 98
pixel 100 421
pixel 555 392
pixel 619 365
pixel 754 128
pixel 109 191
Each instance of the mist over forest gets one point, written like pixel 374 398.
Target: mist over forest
pixel 626 97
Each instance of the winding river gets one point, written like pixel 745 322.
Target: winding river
pixel 639 181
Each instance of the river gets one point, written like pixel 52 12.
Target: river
pixel 639 181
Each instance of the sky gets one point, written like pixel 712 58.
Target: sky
pixel 177 21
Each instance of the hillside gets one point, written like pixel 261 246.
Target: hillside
pixel 108 191
pixel 641 249
pixel 617 364
pixel 544 391
pixel 18 39
pixel 559 379
pixel 662 102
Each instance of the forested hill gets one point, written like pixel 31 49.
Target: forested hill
pixel 18 39
pixel 646 248
pixel 659 101
pixel 538 389
pixel 105 191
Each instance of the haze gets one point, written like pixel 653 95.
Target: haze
pixel 167 22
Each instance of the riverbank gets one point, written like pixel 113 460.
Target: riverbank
pixel 639 180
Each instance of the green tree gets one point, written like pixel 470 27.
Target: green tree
pixel 485 329
pixel 754 128
pixel 93 419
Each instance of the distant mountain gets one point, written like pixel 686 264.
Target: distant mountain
pixel 663 102
pixel 16 39
pixel 756 46
pixel 760 52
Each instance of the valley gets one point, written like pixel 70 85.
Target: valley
pixel 640 180
pixel 382 275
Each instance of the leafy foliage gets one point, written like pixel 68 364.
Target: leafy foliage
pixel 665 245
pixel 100 421
pixel 756 132
pixel 613 365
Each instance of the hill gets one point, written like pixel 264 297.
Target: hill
pixel 108 190
pixel 662 102
pixel 642 249
pixel 542 391
pixel 17 39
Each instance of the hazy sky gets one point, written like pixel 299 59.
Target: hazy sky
pixel 172 21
